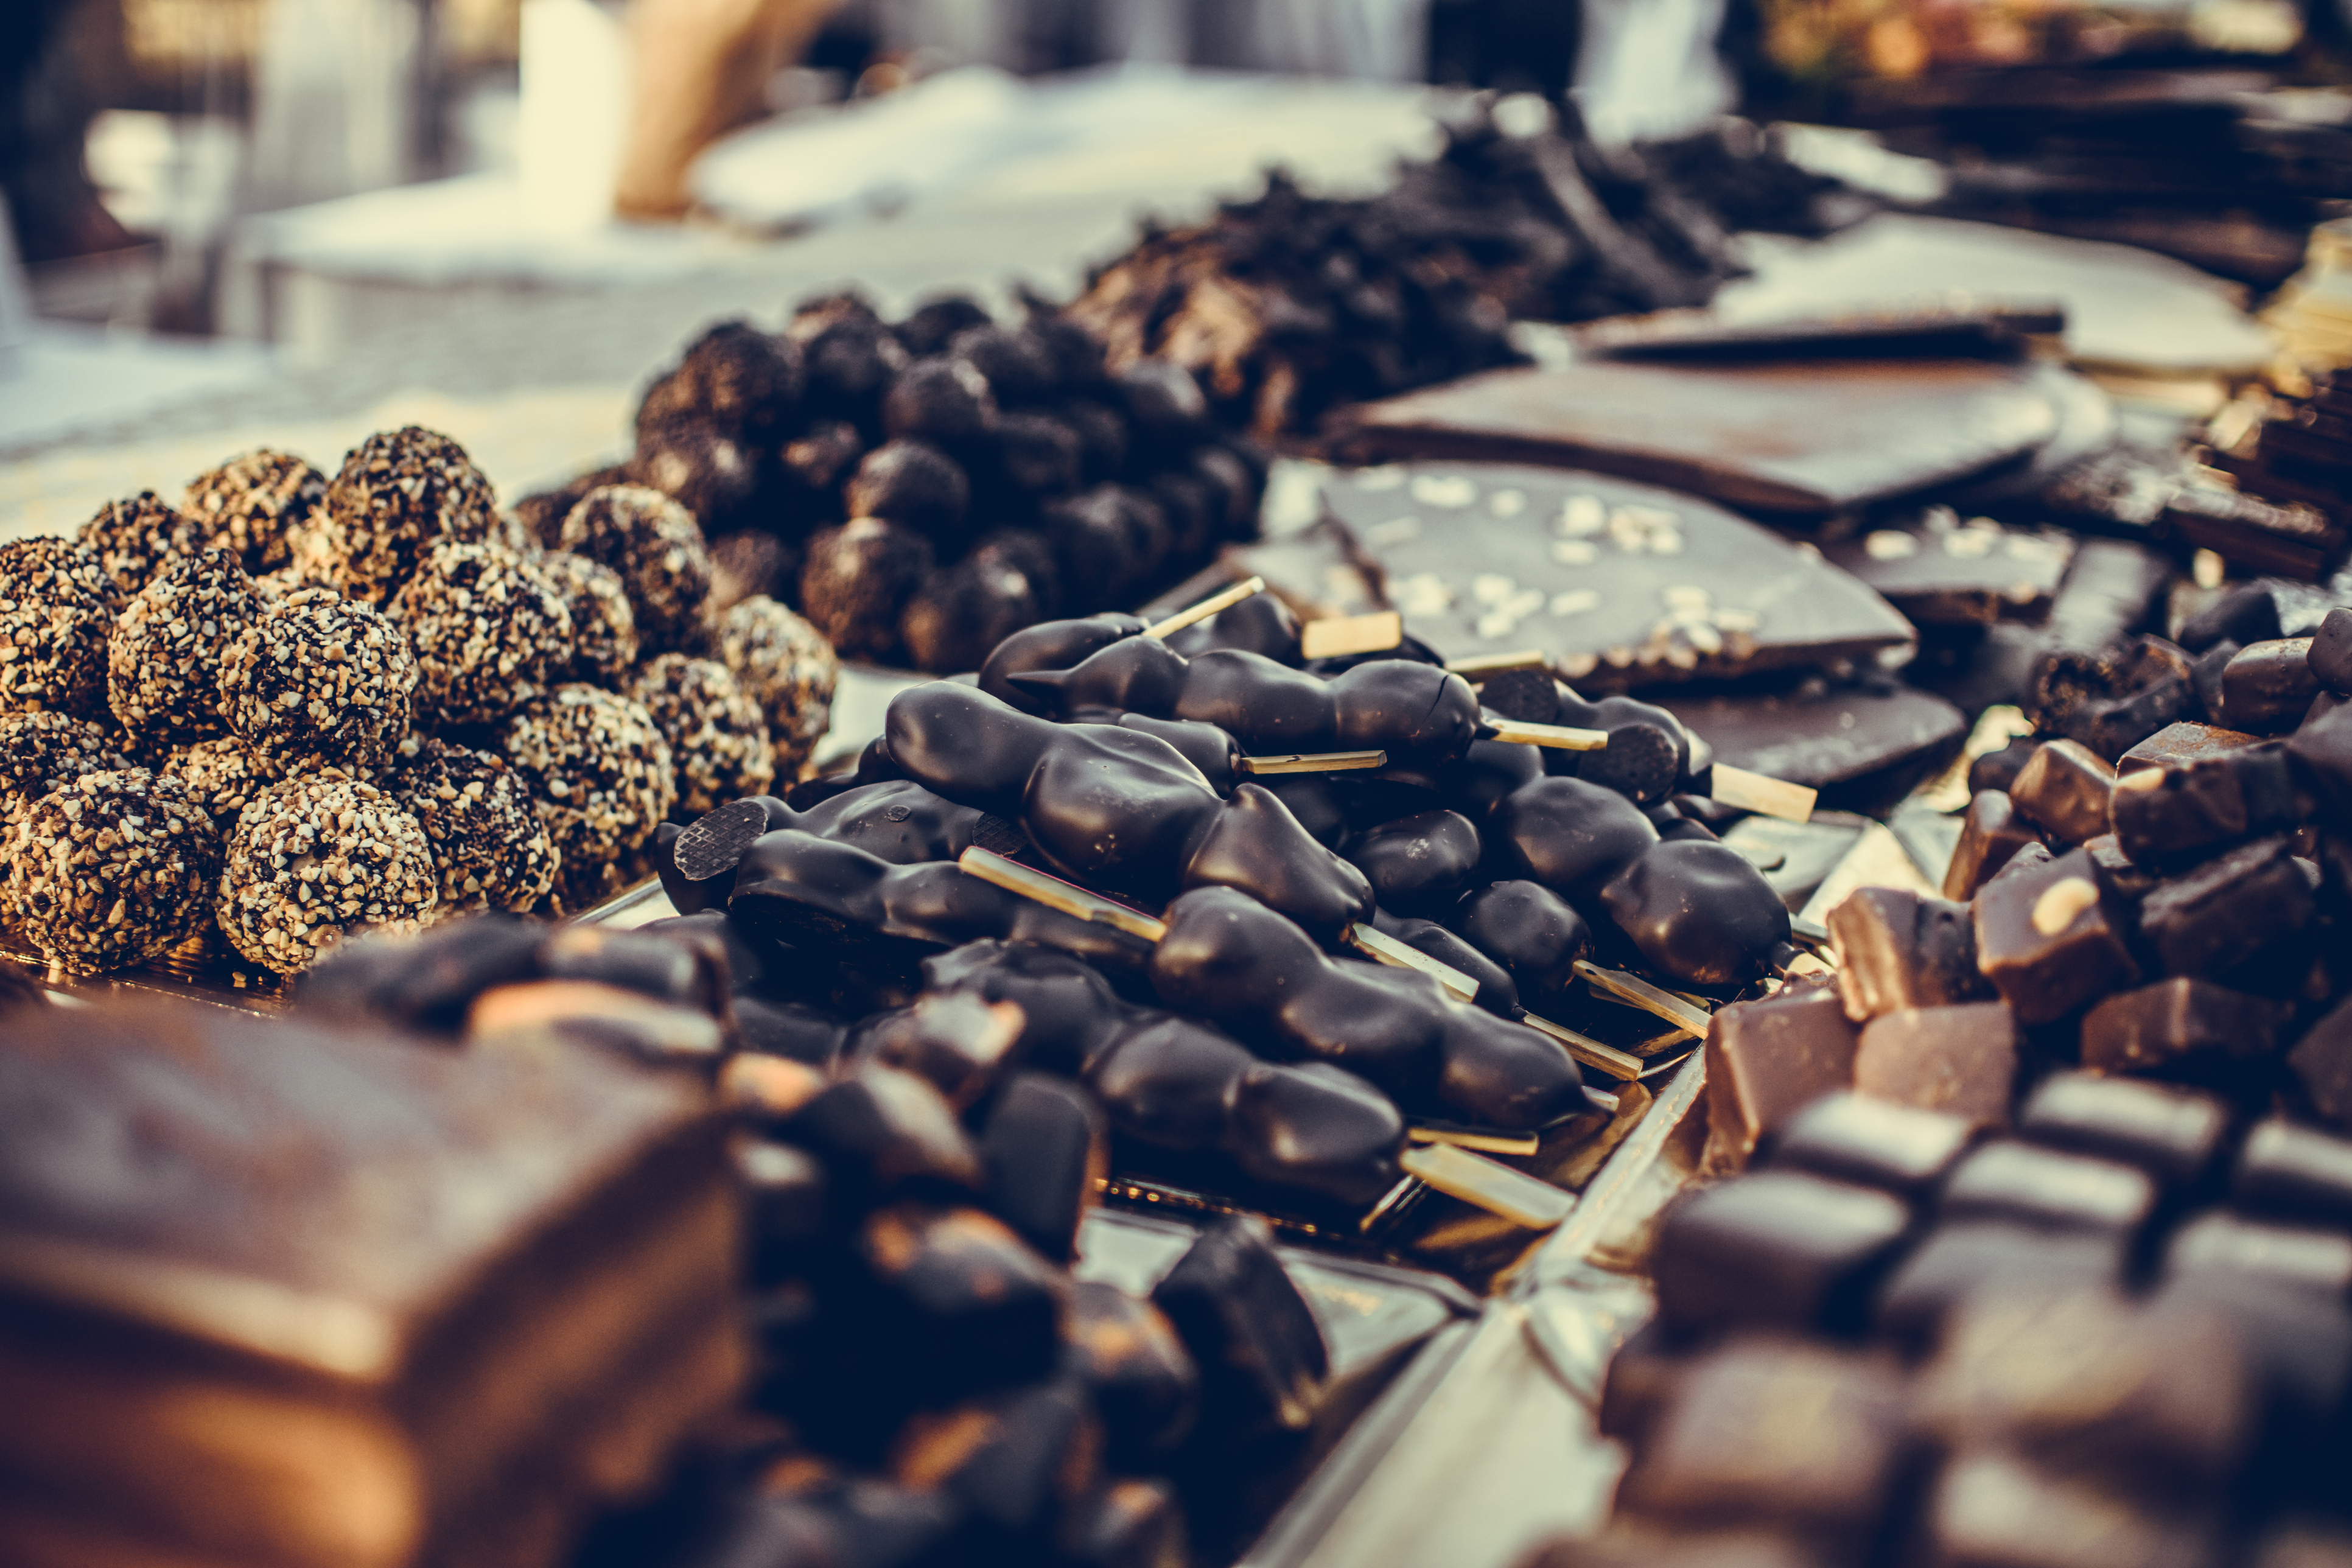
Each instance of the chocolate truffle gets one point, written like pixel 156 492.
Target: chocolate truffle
pixel 110 868
pixel 604 779
pixel 491 848
pixel 858 579
pixel 734 376
pixel 57 605
pixel 398 492
pixel 489 630
pixel 789 670
pixel 961 611
pixel 250 504
pixel 163 657
pixel 702 467
pixel 41 751
pixel 717 737
pixel 133 538
pixel 314 858
pixel 222 776
pixel 657 547
pixel 604 627
pixel 320 679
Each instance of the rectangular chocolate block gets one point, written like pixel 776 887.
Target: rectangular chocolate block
pixel 1991 833
pixel 2021 1184
pixel 2047 941
pixel 1766 1061
pixel 1961 1259
pixel 1873 1143
pixel 2180 1023
pixel 1896 949
pixel 2230 1249
pixel 1780 1249
pixel 2175 1135
pixel 2177 814
pixel 2063 788
pixel 1960 1060
pixel 2228 909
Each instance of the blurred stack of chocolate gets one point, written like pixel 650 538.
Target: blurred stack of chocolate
pixel 2296 457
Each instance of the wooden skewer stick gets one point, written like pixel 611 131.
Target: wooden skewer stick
pixel 1559 737
pixel 1482 1143
pixel 1313 762
pixel 1483 666
pixel 1590 1052
pixel 1394 953
pixel 1768 796
pixel 1640 992
pixel 1056 894
pixel 1489 1185
pixel 1336 636
pixel 1206 607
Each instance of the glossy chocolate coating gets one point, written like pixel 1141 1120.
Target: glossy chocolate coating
pixel 1417 865
pixel 1873 1143
pixel 2322 1063
pixel 1531 931
pixel 1049 645
pixel 1497 993
pixel 1254 843
pixel 1260 623
pixel 896 820
pixel 882 1134
pixel 2268 685
pixel 1314 1127
pixel 2048 942
pixel 2170 816
pixel 1206 747
pixel 1896 949
pixel 2175 1135
pixel 1068 1010
pixel 2228 909
pixel 1318 803
pixel 1262 1358
pixel 1043 1148
pixel 1485 773
pixel 1779 1250
pixel 1648 755
pixel 426 983
pixel 2182 1023
pixel 2063 787
pixel 1699 914
pixel 2330 655
pixel 1144 1383
pixel 957 1043
pixel 1415 711
pixel 1268 707
pixel 2181 745
pixel 2296 1173
pixel 1991 833
pixel 960 1295
pixel 1137 675
pixel 1961 1061
pixel 1570 835
pixel 1167 1080
pixel 2322 754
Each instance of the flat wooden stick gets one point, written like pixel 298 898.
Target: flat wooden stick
pixel 1489 1185
pixel 1483 665
pixel 1336 636
pixel 1482 1143
pixel 1394 953
pixel 1588 1051
pixel 1206 607
pixel 1559 737
pixel 1768 796
pixel 1056 894
pixel 1640 992
pixel 1314 762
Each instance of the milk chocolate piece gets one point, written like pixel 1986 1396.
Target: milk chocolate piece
pixel 1767 1060
pixel 2182 1023
pixel 2330 655
pixel 2042 1187
pixel 1144 1383
pixel 1939 572
pixel 2064 788
pixel 1872 1142
pixel 2230 1249
pixel 196 1210
pixel 2268 685
pixel 1777 1250
pixel 1896 949
pixel 1991 833
pixel 1261 1356
pixel 2321 1061
pixel 1043 1145
pixel 2228 909
pixel 2181 744
pixel 2175 814
pixel 1960 1060
pixel 2294 1172
pixel 2046 941
pixel 2175 1135
pixel 1989 1508
pixel 1961 1259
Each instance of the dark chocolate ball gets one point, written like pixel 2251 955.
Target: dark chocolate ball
pixel 398 494
pixel 857 581
pixel 315 858
pixel 1164 405
pixel 1038 455
pixel 963 611
pixel 604 627
pixel 718 736
pixel 490 630
pixel 489 846
pixel 40 752
pixel 110 868
pixel 848 356
pixel 915 484
pixel 1566 834
pixel 319 680
pixel 1102 439
pixel 789 670
pixel 943 399
pixel 734 377
pixel 1417 864
pixel 1020 369
pixel 928 327
pixel 1700 913
pixel 710 473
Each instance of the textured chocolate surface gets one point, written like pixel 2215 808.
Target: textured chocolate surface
pixel 57 606
pixel 316 857
pixel 604 627
pixel 321 680
pixel 398 493
pixel 40 751
pixel 110 868
pixel 657 547
pixel 718 739
pixel 489 629
pixel 489 846
pixel 790 670
pixel 164 654
pixel 604 776
pixel 250 504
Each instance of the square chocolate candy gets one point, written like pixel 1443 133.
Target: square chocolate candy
pixel 2047 940
pixel 1766 1061
pixel 1896 949
pixel 2023 1184
pixel 1780 1249
pixel 1874 1143
pixel 1960 1060
pixel 2179 1023
pixel 2175 1135
pixel 2063 788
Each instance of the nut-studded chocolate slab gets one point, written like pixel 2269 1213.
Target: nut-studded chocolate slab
pixel 1619 584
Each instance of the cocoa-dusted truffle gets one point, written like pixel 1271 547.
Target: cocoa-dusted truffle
pixel 735 377
pixel 223 776
pixel 163 657
pixel 603 778
pixel 604 627
pixel 489 841
pixel 963 611
pixel 914 483
pixel 250 504
pixel 540 514
pixel 789 670
pixel 41 751
pixel 857 580
pixel 313 858
pixel 57 605
pixel 319 680
pixel 718 737
pixel 133 538
pixel 942 398
pixel 711 472
pixel 489 631
pixel 657 547
pixel 848 356
pixel 110 868
pixel 397 493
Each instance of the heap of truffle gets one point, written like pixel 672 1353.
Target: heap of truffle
pixel 164 656
pixel 57 605
pixel 110 868
pixel 319 680
pixel 603 778
pixel 397 494
pixel 604 627
pixel 492 848
pixel 314 859
pixel 489 630
pixel 717 740
pixel 251 505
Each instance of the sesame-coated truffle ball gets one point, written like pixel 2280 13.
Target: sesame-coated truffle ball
pixel 223 776
pixel 163 657
pixel 42 752
pixel 603 778
pixel 57 605
pixel 718 739
pixel 134 537
pixel 109 869
pixel 313 858
pixel 398 492
pixel 789 670
pixel 319 680
pixel 857 580
pixel 487 838
pixel 657 547
pixel 249 504
pixel 487 629
pixel 604 627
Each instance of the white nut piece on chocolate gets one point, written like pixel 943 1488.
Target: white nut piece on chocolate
pixel 163 657
pixel 224 775
pixel 251 504
pixel 41 751
pixel 397 494
pixel 490 632
pixel 314 860
pixel 488 840
pixel 717 736
pixel 602 777
pixel 658 550
pixel 133 538
pixel 57 605
pixel 112 868
pixel 604 627
pixel 789 670
pixel 319 680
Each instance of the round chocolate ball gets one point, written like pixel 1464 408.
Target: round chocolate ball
pixel 163 658
pixel 942 398
pixel 657 548
pixel 602 777
pixel 1019 366
pixel 786 667
pixel 489 841
pixel 250 504
pixel 963 611
pixel 604 627
pixel 849 356
pixel 316 858
pixel 718 737
pixel 398 493
pixel 319 680
pixel 712 471
pixel 57 605
pixel 133 538
pixel 735 376
pixel 929 325
pixel 857 580
pixel 914 483
pixel 223 776
pixel 110 868
pixel 489 630
pixel 41 751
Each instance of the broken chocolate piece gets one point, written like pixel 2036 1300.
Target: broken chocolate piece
pixel 2322 1061
pixel 2180 1023
pixel 1261 1356
pixel 1991 833
pixel 2046 941
pixel 957 1043
pixel 1960 1060
pixel 2064 788
pixel 1777 1250
pixel 1044 1147
pixel 2330 655
pixel 1143 1381
pixel 2023 1184
pixel 1896 949
pixel 1767 1060
pixel 2173 1135
pixel 2173 814
pixel 786 1208
pixel 2268 686
pixel 1874 1143
pixel 2181 744
pixel 2228 909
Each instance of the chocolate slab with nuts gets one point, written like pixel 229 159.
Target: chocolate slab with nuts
pixel 1823 736
pixel 1940 571
pixel 1617 584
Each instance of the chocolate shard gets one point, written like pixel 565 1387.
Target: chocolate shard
pixel 2179 745
pixel 2047 940
pixel 1145 1384
pixel 1261 1356
pixel 1960 1060
pixel 2175 814
pixel 2175 1135
pixel 2181 1027
pixel 2063 787
pixel 1767 1060
pixel 1896 949
pixel 1960 1259
pixel 1873 1143
pixel 1777 1250
pixel 2023 1184
pixel 2268 685
pixel 2229 910
pixel 1991 833
pixel 1045 1149
pixel 2291 1172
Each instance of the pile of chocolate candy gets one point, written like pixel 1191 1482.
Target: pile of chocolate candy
pixel 293 706
pixel 920 491
pixel 2298 455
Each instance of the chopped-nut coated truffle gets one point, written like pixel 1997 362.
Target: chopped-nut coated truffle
pixel 603 776
pixel 250 504
pixel 133 538
pixel 789 670
pixel 319 680
pixel 110 868
pixel 223 776
pixel 163 657
pixel 489 841
pixel 718 739
pixel 398 493
pixel 657 548
pixel 41 751
pixel 489 629
pixel 315 858
pixel 604 627
pixel 57 607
